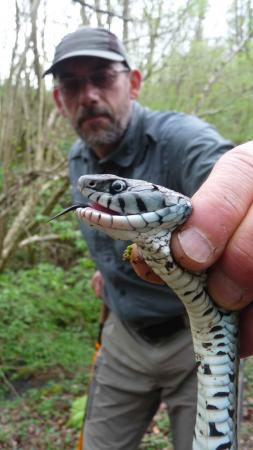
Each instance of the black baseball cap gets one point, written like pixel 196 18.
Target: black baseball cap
pixel 88 41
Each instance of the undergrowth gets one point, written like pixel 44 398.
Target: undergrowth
pixel 48 329
pixel 48 320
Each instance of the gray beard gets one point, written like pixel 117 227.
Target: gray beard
pixel 100 138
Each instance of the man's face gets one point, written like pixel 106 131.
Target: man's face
pixel 96 95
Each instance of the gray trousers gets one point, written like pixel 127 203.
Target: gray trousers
pixel 131 379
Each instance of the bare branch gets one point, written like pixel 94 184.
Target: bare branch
pixel 55 173
pixel 226 105
pixel 109 18
pixel 103 11
pixel 55 197
pixel 9 384
pixel 38 239
pixel 218 71
pixel 11 239
pixel 126 8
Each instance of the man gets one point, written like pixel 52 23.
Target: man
pixel 146 355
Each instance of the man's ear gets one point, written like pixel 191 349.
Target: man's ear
pixel 135 83
pixel 58 101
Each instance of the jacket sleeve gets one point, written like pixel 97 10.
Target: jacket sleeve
pixel 195 147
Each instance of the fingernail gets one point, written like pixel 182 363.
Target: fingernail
pixel 195 245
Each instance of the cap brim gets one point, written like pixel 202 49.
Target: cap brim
pixel 96 53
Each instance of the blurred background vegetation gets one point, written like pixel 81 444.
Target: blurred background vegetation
pixel 48 313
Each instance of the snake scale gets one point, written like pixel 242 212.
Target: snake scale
pixel 146 214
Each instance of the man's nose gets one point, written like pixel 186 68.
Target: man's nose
pixel 88 93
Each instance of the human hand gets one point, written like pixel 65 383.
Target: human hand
pixel 97 284
pixel 219 233
pixel 219 236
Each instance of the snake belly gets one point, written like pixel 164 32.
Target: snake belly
pixel 147 214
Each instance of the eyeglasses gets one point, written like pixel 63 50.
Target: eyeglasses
pixel 101 79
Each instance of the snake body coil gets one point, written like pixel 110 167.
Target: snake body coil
pixel 147 214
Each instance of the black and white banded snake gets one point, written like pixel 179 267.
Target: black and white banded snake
pixel 147 214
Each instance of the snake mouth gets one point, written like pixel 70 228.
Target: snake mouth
pixel 98 207
pixel 98 215
pixel 101 217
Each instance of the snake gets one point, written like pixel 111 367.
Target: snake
pixel 147 214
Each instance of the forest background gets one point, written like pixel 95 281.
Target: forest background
pixel 196 56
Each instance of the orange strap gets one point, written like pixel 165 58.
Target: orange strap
pixel 80 442
pixel 103 316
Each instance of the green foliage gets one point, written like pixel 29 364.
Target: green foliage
pixel 77 412
pixel 38 422
pixel 65 250
pixel 195 79
pixel 48 319
pixel 48 327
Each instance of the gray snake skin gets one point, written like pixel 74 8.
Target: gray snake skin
pixel 147 214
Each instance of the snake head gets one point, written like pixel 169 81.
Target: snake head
pixel 124 208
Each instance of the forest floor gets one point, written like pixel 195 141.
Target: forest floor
pixel 37 415
pixel 48 327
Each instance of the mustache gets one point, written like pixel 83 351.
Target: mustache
pixel 91 112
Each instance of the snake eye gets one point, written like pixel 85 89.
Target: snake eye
pixel 91 184
pixel 117 186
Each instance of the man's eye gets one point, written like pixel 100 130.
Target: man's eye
pixel 70 85
pixel 101 79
